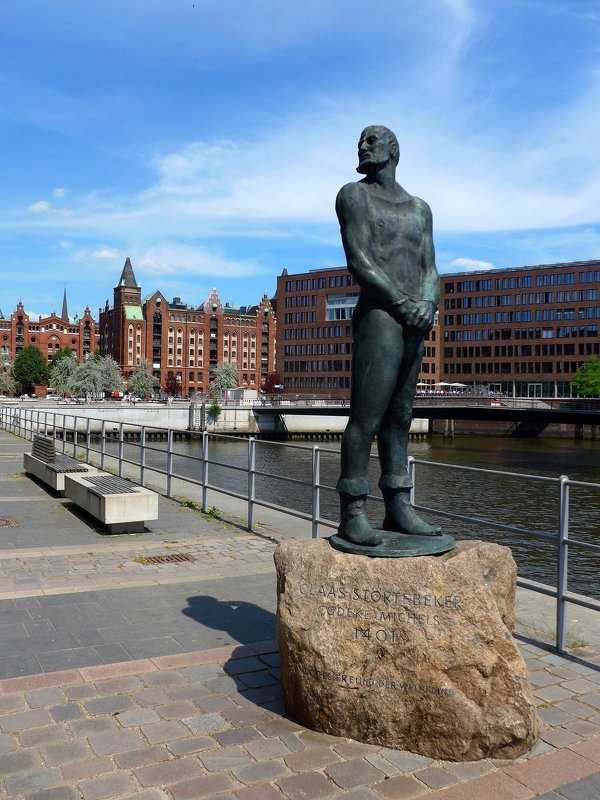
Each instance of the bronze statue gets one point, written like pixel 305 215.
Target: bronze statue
pixel 387 238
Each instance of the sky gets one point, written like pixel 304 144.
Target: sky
pixel 207 139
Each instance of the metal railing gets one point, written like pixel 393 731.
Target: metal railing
pixel 86 437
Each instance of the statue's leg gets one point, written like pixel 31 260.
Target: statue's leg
pixel 376 359
pixel 392 440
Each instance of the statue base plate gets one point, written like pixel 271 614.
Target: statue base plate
pixel 396 545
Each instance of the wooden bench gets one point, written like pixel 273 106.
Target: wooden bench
pixel 51 467
pixel 122 506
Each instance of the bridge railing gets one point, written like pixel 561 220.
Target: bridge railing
pixel 73 434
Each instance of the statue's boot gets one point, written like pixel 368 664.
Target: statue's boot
pixel 401 517
pixel 354 525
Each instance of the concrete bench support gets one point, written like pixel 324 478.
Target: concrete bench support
pixel 122 506
pixel 51 467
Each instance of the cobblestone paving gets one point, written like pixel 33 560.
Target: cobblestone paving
pixel 211 725
pixel 107 565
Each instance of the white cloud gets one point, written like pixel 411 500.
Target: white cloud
pixel 186 261
pixel 41 207
pixel 59 192
pixel 471 264
pixel 105 253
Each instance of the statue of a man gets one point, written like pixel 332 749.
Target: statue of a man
pixel 387 238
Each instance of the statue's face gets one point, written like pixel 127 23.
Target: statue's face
pixel 373 150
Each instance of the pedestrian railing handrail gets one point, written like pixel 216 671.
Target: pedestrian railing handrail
pixel 75 433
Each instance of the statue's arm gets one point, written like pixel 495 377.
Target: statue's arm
pixel 352 211
pixel 430 285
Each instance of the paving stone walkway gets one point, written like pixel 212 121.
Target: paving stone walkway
pixel 121 679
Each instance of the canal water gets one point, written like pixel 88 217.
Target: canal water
pixel 517 500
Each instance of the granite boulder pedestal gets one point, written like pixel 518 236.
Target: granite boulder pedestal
pixel 410 653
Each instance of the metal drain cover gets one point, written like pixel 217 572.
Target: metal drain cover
pixel 170 558
pixel 9 522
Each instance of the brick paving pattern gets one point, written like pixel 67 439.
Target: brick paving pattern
pixel 112 686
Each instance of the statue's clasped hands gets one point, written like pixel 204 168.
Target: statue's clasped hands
pixel 417 314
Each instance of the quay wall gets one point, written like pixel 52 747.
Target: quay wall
pixel 239 420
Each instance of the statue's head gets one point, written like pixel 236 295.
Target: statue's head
pixel 377 145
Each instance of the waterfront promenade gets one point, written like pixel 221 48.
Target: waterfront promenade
pixel 123 678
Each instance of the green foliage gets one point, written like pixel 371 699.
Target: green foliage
pixel 212 513
pixel 586 381
pixel 213 412
pixel 111 379
pixel 64 352
pixel 142 382
pixel 30 368
pixel 62 371
pixel 226 375
pixel 86 380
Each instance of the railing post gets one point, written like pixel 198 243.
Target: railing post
pixel 251 480
pixel 75 435
pixel 102 443
pixel 563 561
pixel 169 460
pixel 121 448
pixel 142 454
pixel 64 432
pixel 204 470
pixel 88 437
pixel 316 491
pixel 412 470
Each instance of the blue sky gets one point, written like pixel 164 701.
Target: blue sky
pixel 207 139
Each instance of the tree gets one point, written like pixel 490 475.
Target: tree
pixel 86 379
pixel 586 381
pixel 142 382
pixel 226 375
pixel 30 368
pixel 7 384
pixel 62 371
pixel 64 352
pixel 111 379
pixel 213 412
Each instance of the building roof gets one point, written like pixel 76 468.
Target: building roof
pixel 127 277
pixel 133 312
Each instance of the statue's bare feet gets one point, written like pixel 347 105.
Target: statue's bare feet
pixel 358 531
pixel 404 519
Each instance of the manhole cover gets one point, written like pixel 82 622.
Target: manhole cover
pixel 8 522
pixel 171 558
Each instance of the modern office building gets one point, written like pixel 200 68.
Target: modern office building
pixel 185 343
pixel 49 334
pixel 314 340
pixel 523 331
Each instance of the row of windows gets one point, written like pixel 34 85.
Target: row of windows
pixel 301 301
pixel 335 348
pixel 328 332
pixel 300 316
pixel 330 365
pixel 561 331
pixel 539 315
pixel 510 368
pixel 501 351
pixel 302 284
pixel 523 281
pixel 329 382
pixel 530 298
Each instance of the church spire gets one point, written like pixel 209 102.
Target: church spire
pixel 127 277
pixel 65 314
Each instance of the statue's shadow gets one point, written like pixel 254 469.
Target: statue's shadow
pixel 252 669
